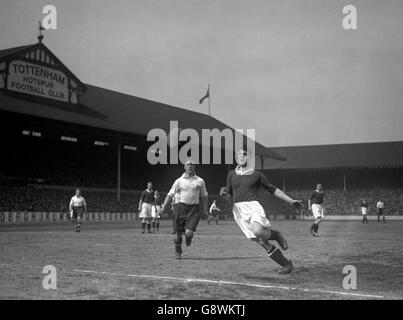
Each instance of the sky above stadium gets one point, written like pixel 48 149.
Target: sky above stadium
pixel 285 68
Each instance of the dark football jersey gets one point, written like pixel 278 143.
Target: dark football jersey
pixel 147 197
pixel 317 197
pixel 158 201
pixel 246 187
pixel 364 204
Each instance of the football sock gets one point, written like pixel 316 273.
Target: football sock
pixel 313 227
pixel 317 227
pixel 178 243
pixel 277 256
pixel 148 227
pixel 143 226
pixel 158 225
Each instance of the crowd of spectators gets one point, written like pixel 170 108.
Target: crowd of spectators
pixel 339 202
pixel 57 200
pixel 54 199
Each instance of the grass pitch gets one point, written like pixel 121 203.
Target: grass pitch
pixel 115 261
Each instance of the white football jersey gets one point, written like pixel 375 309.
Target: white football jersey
pixel 77 201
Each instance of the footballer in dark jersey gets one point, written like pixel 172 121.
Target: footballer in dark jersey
pixel 145 206
pixel 315 203
pixel 243 184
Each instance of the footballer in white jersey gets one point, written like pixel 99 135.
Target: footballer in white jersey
pixel 78 207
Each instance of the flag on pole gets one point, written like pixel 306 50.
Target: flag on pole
pixel 207 95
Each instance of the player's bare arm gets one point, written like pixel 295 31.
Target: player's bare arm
pixel 140 203
pixel 71 207
pixel 292 202
pixel 167 202
pixel 204 203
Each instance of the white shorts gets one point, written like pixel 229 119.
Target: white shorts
pixel 155 211
pixel 317 210
pixel 248 212
pixel 364 211
pixel 145 210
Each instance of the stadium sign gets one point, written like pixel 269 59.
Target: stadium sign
pixel 35 72
pixel 37 80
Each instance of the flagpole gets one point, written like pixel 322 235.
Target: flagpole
pixel 209 95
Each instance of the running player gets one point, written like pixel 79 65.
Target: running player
pixel 243 185
pixel 364 210
pixel 315 203
pixel 78 207
pixel 145 205
pixel 156 210
pixel 191 189
pixel 381 206
pixel 214 212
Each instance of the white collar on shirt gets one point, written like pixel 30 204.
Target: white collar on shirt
pixel 186 177
pixel 242 171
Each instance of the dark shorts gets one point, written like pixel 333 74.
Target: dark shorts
pixel 78 212
pixel 380 212
pixel 214 213
pixel 186 216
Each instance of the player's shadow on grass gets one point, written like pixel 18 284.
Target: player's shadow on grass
pixel 220 258
pixel 301 272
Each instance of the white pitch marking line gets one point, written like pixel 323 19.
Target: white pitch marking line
pixel 220 282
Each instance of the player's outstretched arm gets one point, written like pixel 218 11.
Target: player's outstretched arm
pixel 281 195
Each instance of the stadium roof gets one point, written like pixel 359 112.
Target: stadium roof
pixel 10 51
pixel 107 109
pixel 357 155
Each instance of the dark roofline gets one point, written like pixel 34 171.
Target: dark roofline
pixel 261 150
pixel 386 154
pixel 336 144
pixel 11 51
